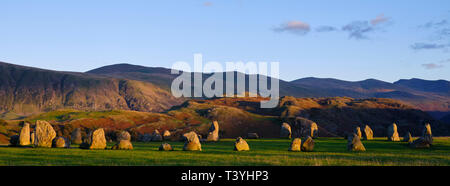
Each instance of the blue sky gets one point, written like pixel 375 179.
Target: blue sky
pixel 349 40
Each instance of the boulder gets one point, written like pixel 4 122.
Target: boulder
pixel 213 134
pixel 165 147
pixel 123 145
pixel 24 136
pixel 44 134
pixel 76 137
pixel 368 133
pixel 285 131
pixel 407 138
pixel 145 138
pixel 296 145
pixel 156 136
pixel 14 140
pixel 123 135
pixel 357 131
pixel 60 142
pixel 354 143
pixel 241 145
pixel 96 139
pixel 252 136
pixel 166 135
pixel 192 143
pixel 392 133
pixel 307 144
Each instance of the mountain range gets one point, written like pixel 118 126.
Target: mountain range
pixel 27 90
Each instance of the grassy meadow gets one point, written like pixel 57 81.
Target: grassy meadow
pixel 328 152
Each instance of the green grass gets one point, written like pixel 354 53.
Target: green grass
pixel 328 151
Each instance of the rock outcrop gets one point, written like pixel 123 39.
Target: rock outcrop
pixel 392 133
pixel 241 145
pixel 296 145
pixel 285 131
pixel 354 143
pixel 44 134
pixel 24 136
pixel 213 134
pixel 368 133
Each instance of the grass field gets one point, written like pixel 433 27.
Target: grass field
pixel 328 151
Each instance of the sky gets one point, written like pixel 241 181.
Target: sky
pixel 349 39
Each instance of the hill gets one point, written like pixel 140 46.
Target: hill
pixel 26 90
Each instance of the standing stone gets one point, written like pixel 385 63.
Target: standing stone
pixel 123 135
pixel 96 139
pixel 426 133
pixel 241 145
pixel 252 136
pixel 76 137
pixel 156 136
pixel 307 144
pixel 145 137
pixel 44 134
pixel 24 137
pixel 357 131
pixel 14 140
pixel 354 143
pixel 407 138
pixel 303 127
pixel 192 143
pixel 123 145
pixel 32 136
pixel 166 135
pixel 165 147
pixel 426 140
pixel 285 131
pixel 60 142
pixel 392 133
pixel 213 134
pixel 296 145
pixel 368 133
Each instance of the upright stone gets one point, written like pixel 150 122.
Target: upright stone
pixel 296 145
pixel 392 133
pixel 97 139
pixel 354 143
pixel 357 131
pixel 192 143
pixel 304 127
pixel 76 137
pixel 156 136
pixel 285 131
pixel 426 133
pixel 166 135
pixel 44 134
pixel 213 134
pixel 14 140
pixel 307 144
pixel 368 133
pixel 407 138
pixel 426 140
pixel 241 145
pixel 32 136
pixel 123 135
pixel 145 137
pixel 24 137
